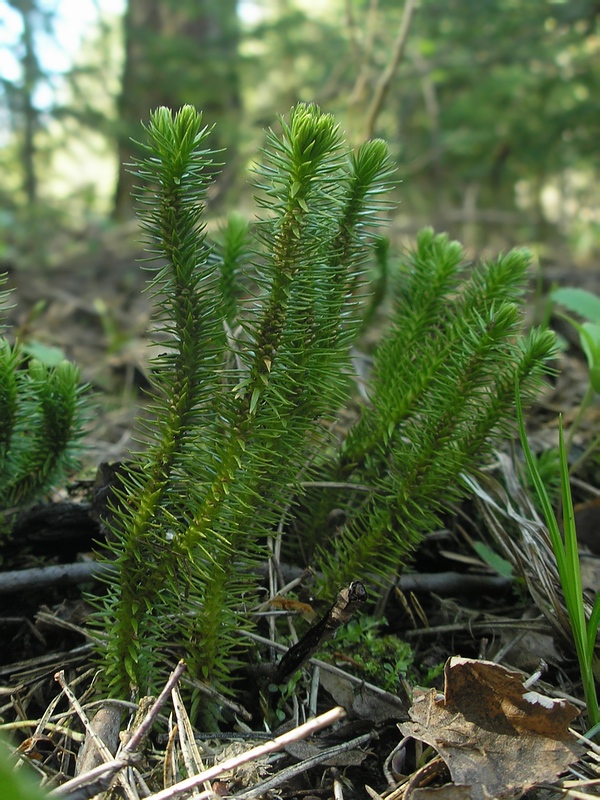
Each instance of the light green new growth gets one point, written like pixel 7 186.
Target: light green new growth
pixel 248 383
pixel 41 424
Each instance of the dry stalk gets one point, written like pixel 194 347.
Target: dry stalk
pixel 295 735
pixel 100 778
pixel 530 551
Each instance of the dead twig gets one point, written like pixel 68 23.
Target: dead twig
pixel 347 602
pixel 39 577
pixel 100 778
pixel 295 735
pixel 288 773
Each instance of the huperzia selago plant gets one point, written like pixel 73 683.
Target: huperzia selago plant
pixel 43 411
pixel 241 447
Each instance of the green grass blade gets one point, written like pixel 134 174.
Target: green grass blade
pixel 567 561
pixel 553 529
pixel 592 626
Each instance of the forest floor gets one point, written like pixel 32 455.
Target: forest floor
pixel 465 618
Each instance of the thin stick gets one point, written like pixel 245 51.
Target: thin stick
pixel 363 71
pixel 98 742
pixel 288 773
pixel 104 773
pixel 148 720
pixel 279 743
pixel 386 79
pixel 187 743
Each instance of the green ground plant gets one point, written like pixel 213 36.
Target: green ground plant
pixel 380 658
pixel 41 424
pixel 256 366
pixel 566 552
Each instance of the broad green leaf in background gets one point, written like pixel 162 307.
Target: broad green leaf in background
pixel 49 356
pixel 587 305
pixel 589 338
pixel 580 301
pixel 493 560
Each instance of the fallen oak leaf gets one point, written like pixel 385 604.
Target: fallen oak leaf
pixel 495 735
pixel 495 698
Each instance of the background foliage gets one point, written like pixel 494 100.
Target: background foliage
pixel 490 111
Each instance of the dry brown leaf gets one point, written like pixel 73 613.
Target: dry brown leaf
pixel 361 701
pixel 495 735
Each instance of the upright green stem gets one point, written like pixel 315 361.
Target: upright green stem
pixel 568 566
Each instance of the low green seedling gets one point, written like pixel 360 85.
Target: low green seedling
pixel 493 559
pixel 43 411
pixel 566 553
pixel 380 658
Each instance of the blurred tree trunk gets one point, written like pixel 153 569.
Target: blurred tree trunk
pixel 23 97
pixel 176 52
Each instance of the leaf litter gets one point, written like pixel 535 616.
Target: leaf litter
pixel 496 735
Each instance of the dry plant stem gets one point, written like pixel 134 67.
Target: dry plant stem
pixel 439 582
pixel 338 790
pixel 187 742
pixel 424 776
pixel 347 602
pixel 218 697
pixel 593 490
pixel 169 767
pixel 105 772
pixel 314 691
pixel 102 748
pixel 49 724
pixel 148 720
pixel 387 764
pixel 316 662
pixel 387 76
pixel 296 735
pixel 574 784
pixel 26 724
pixel 591 745
pixel 38 577
pixel 43 723
pixel 488 625
pixel 570 793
